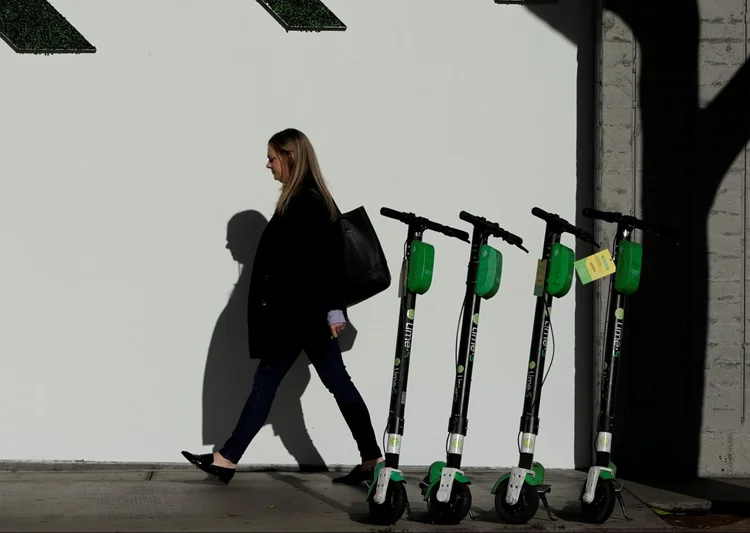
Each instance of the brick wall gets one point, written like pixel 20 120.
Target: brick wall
pixel 725 439
pixel 723 430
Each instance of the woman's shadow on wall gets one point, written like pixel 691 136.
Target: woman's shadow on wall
pixel 229 369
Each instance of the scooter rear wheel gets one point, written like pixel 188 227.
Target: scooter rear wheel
pixel 455 509
pixel 392 509
pixel 600 509
pixel 523 510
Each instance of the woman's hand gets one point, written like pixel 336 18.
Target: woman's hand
pixel 337 328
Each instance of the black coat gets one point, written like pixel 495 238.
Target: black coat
pixel 297 277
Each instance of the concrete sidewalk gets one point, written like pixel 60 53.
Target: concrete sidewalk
pixel 698 495
pixel 182 499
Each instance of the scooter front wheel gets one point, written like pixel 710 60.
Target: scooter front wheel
pixel 392 509
pixel 600 509
pixel 523 510
pixel 455 509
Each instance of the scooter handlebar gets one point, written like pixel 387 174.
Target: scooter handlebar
pixel 494 228
pixel 552 218
pixel 601 215
pixel 411 218
pixel 392 213
pixel 447 230
pixel 615 218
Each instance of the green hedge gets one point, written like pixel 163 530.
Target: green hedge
pixel 35 27
pixel 303 15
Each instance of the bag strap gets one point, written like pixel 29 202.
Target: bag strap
pixel 338 211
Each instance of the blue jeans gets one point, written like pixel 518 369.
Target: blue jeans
pixel 329 365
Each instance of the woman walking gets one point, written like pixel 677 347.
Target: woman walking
pixel 296 303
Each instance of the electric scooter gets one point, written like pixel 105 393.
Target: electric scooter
pixel 600 489
pixel 386 493
pixel 518 492
pixel 445 487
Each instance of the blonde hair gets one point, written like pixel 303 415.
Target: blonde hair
pixel 305 161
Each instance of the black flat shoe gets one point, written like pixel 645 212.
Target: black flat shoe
pixel 355 476
pixel 205 463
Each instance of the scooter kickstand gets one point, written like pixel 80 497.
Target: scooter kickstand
pixel 618 493
pixel 543 490
pixel 408 510
pixel 471 515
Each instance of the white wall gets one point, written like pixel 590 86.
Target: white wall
pixel 121 169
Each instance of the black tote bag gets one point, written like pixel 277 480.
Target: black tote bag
pixel 366 270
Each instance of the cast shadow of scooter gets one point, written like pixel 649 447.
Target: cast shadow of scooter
pixel 563 516
pixel 357 509
pixel 229 370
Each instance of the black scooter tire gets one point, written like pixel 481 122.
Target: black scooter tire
pixel 455 509
pixel 599 510
pixel 524 509
pixel 392 509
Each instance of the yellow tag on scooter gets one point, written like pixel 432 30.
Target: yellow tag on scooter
pixel 595 266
